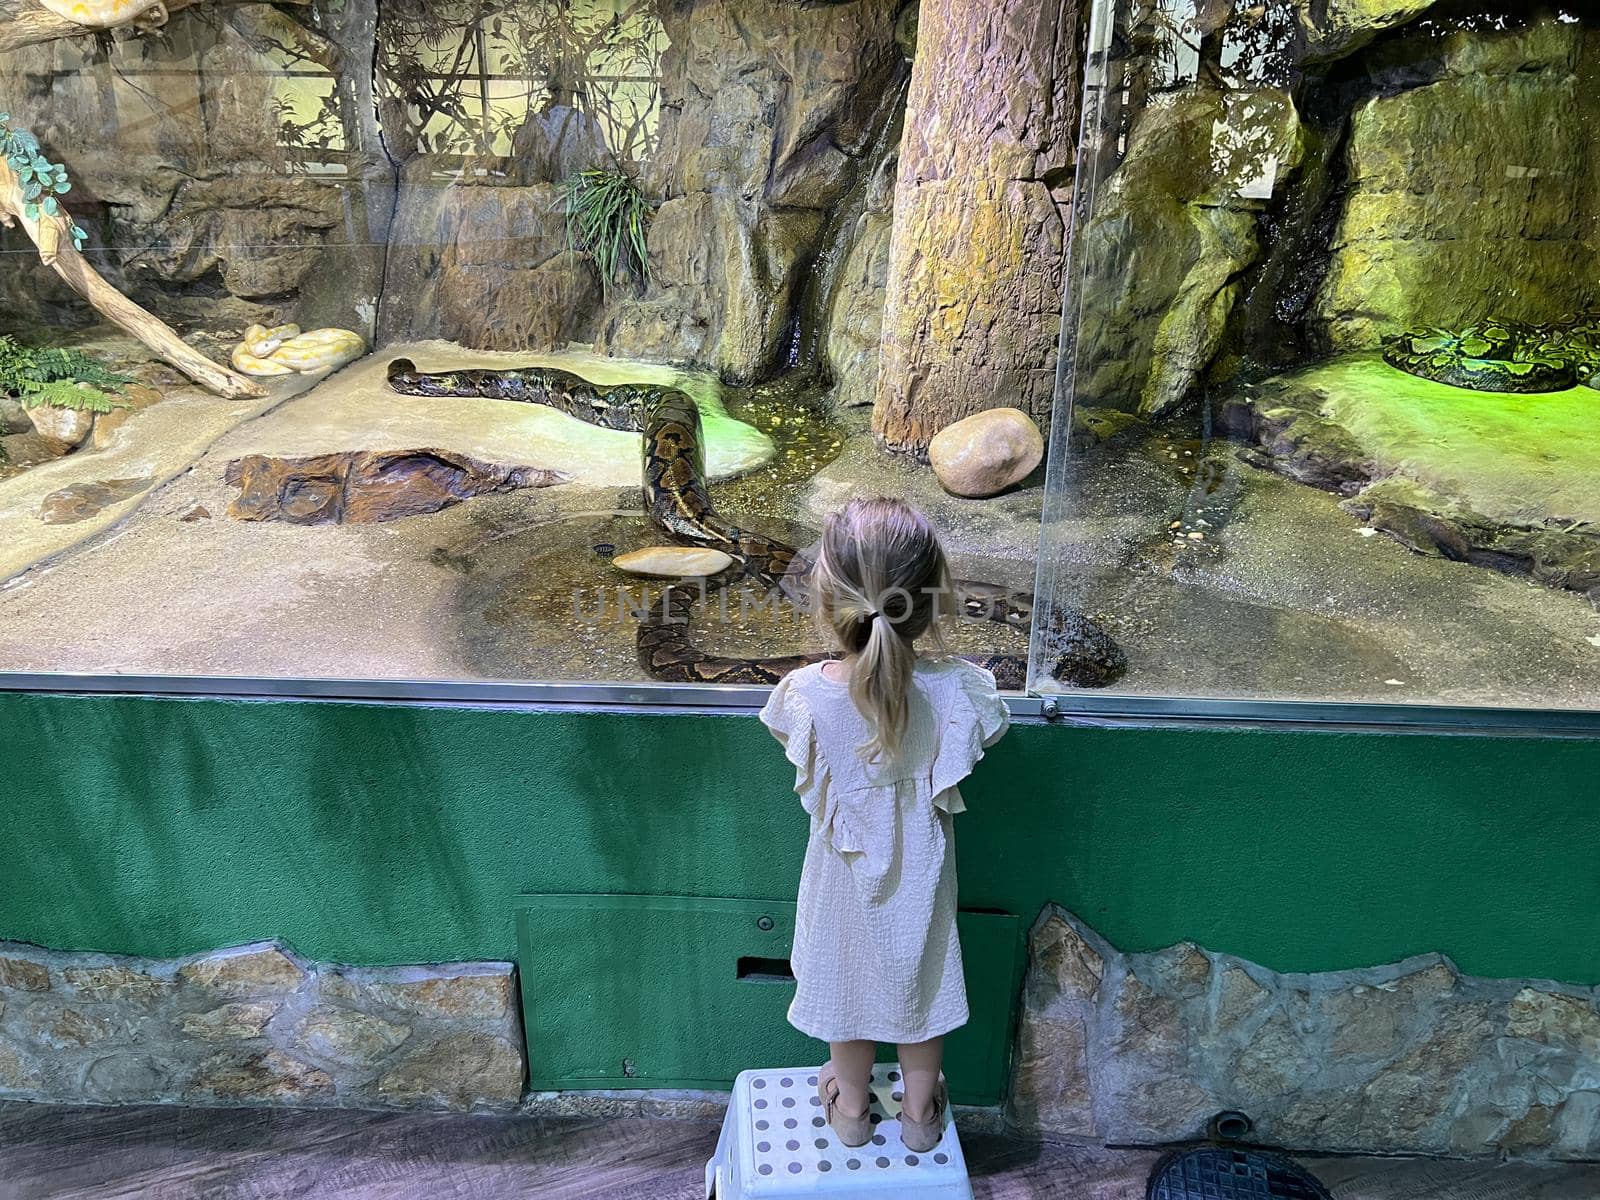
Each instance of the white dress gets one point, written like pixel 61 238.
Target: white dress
pixel 875 954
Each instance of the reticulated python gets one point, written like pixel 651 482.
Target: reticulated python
pixel 1502 356
pixel 679 505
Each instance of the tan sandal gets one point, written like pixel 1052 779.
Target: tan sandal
pixel 922 1136
pixel 851 1131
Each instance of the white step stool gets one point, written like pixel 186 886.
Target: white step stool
pixel 775 1142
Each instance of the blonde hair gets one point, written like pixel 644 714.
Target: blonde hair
pixel 880 582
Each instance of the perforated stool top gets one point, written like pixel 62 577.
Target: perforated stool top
pixel 776 1142
pixel 1227 1174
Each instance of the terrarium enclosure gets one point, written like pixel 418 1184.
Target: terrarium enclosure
pixel 1331 345
pixel 531 341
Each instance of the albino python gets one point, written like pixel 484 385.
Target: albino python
pixel 108 14
pixel 284 350
pixel 679 505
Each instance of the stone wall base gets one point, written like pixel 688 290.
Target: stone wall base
pixel 1414 1057
pixel 257 1024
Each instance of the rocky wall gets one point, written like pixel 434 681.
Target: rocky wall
pixel 194 200
pixel 257 1024
pixel 972 313
pixel 768 111
pixel 1496 215
pixel 487 266
pixel 1413 1057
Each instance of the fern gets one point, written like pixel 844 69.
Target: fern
pixel 609 217
pixel 60 378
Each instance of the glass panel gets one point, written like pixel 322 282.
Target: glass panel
pixel 348 242
pixel 1328 347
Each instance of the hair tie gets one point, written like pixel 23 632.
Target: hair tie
pixel 873 614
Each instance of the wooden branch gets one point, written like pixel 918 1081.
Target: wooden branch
pixel 53 237
pixel 24 23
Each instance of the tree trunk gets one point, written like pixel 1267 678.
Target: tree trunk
pixel 24 23
pixel 53 236
pixel 972 312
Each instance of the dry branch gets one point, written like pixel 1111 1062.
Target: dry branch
pixel 53 236
pixel 24 23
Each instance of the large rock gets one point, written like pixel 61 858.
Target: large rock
pixel 1409 1058
pixel 973 305
pixel 724 270
pixel 197 207
pixel 244 971
pixel 486 266
pixel 1335 28
pixel 855 314
pixel 768 111
pixel 464 1072
pixel 63 429
pixel 673 562
pixel 1495 218
pixel 984 454
pixel 1426 463
pixel 1172 230
pixel 360 487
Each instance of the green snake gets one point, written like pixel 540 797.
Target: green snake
pixel 1502 356
pixel 680 506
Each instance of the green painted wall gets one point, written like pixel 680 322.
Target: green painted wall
pixel 378 834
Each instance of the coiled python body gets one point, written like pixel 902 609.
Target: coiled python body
pixel 108 14
pixel 284 350
pixel 1502 356
pixel 680 506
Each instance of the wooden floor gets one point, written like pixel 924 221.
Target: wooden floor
pixel 264 1154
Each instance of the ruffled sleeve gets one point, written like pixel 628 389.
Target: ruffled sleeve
pixel 790 719
pixel 786 715
pixel 975 718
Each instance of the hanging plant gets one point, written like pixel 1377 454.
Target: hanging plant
pixel 608 217
pixel 42 182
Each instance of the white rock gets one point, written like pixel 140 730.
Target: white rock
pixel 64 427
pixel 984 454
pixel 673 562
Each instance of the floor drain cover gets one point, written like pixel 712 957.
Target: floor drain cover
pixel 1232 1175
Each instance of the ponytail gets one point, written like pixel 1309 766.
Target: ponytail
pixel 880 683
pixel 880 583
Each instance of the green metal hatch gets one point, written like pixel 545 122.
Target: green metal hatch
pixel 686 992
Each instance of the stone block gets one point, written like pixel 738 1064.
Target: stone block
pixel 463 1072
pixel 257 1024
pixel 245 971
pixel 1411 1058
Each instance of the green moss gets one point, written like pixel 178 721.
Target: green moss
pixel 1511 457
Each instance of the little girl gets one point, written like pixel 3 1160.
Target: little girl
pixel 879 740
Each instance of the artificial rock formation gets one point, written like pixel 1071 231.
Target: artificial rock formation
pixel 1496 219
pixel 1408 1058
pixel 769 111
pixel 257 1024
pixel 487 266
pixel 1427 463
pixel 1172 232
pixel 973 305
pixel 198 210
pixel 363 487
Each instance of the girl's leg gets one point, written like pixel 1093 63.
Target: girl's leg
pixel 852 1065
pixel 919 1074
